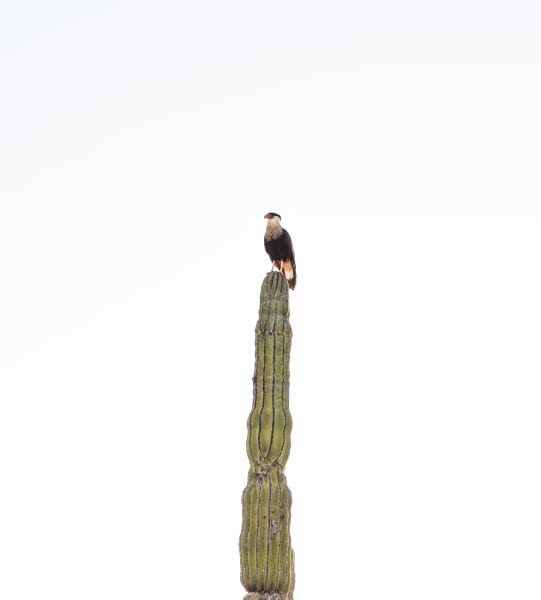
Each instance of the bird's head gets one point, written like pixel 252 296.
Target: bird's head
pixel 274 216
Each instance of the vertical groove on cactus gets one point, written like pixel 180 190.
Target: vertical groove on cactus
pixel 266 556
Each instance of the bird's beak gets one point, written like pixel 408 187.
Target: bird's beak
pixel 267 216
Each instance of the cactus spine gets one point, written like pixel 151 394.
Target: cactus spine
pixel 267 558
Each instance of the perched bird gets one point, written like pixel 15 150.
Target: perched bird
pixel 279 247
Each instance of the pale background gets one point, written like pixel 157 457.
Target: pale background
pixel 141 144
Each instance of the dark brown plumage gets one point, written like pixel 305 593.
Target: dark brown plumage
pixel 279 247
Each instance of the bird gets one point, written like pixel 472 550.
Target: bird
pixel 279 247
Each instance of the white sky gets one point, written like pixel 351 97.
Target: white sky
pixel 141 144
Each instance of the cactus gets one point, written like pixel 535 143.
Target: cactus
pixel 267 558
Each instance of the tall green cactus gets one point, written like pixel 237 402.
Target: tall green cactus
pixel 267 558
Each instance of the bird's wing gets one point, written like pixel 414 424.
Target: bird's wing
pixel 289 243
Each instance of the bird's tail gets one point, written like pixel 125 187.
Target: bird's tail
pixel 290 271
